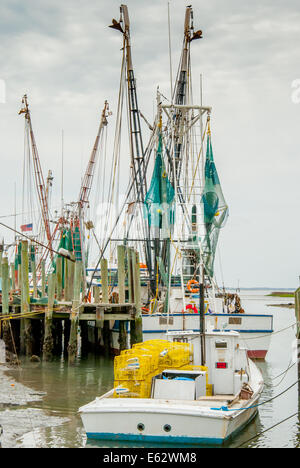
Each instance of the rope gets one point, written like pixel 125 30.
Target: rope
pixel 266 430
pixel 284 373
pixel 269 334
pixel 224 408
pixel 279 375
pixel 4 318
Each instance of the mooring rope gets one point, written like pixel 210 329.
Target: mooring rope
pixel 224 408
pixel 269 334
pixel 269 428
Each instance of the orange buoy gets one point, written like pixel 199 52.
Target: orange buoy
pixel 189 286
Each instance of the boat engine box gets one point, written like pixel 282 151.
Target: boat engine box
pixel 179 385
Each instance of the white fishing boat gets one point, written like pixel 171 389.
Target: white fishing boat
pixel 255 329
pixel 193 404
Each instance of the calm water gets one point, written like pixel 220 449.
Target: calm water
pixel 68 388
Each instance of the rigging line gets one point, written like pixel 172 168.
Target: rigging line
pixel 116 148
pixel 39 243
pixel 279 375
pixel 284 376
pixel 269 334
pixel 196 168
pixel 261 403
pixel 23 177
pixel 129 189
pixel 7 318
pixel 269 428
pixel 170 50
pixel 221 268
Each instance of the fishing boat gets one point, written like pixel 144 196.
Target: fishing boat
pixel 164 393
pixel 171 214
pixel 174 216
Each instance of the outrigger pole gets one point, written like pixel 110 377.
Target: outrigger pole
pixel 38 174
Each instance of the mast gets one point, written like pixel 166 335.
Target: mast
pixel 84 193
pixel 39 179
pixel 138 164
pixel 178 119
pixel 87 181
pixel 181 89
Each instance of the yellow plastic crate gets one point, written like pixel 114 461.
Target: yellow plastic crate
pixel 132 389
pixel 132 367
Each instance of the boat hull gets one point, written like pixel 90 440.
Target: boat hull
pixel 121 423
pixel 255 330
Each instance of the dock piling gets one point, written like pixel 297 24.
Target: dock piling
pixel 48 325
pixel 72 347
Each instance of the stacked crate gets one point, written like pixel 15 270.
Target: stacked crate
pixel 135 368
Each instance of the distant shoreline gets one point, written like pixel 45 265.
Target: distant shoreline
pixel 281 294
pixel 287 306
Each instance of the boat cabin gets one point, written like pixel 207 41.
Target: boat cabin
pixel 225 358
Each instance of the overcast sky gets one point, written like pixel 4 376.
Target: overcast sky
pixel 66 59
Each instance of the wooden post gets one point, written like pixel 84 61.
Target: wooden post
pixel 12 276
pixel 129 271
pixel 121 249
pixel 59 265
pixel 18 265
pixel 297 313
pixel 48 335
pixel 106 338
pixel 5 286
pixel 105 300
pixel 136 329
pixel 96 294
pixel 130 252
pixel 33 270
pixel 43 265
pixel 6 333
pixel 57 336
pixel 121 273
pixel 72 347
pixel 33 267
pixel 1 255
pixel 84 337
pixel 67 327
pixel 7 329
pixel 69 279
pixel 99 316
pixel 104 280
pixel 25 299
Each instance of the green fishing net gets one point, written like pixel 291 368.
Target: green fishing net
pixel 158 206
pixel 215 209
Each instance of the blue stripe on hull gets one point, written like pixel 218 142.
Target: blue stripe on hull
pixel 164 439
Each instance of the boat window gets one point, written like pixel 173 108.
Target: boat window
pixel 165 321
pixel 221 344
pixel 182 339
pixel 167 428
pixel 235 321
pixel 141 427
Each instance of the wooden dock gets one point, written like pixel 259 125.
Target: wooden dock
pixel 41 314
